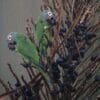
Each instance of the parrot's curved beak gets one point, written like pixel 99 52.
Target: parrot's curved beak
pixel 12 46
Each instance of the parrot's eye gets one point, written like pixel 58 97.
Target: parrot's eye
pixel 52 21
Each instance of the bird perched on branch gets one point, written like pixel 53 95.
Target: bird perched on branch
pixel 22 44
pixel 44 23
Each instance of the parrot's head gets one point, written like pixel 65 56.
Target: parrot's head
pixel 49 17
pixel 11 41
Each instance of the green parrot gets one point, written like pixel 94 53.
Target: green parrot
pixel 22 44
pixel 42 31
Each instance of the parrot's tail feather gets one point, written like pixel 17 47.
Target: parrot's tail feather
pixel 44 74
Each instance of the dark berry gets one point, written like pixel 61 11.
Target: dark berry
pixel 97 78
pixel 82 52
pixel 17 84
pixel 93 58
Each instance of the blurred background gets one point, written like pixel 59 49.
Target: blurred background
pixel 12 18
